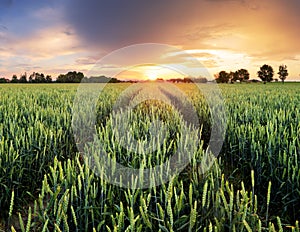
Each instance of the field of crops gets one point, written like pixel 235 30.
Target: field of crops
pixel 47 185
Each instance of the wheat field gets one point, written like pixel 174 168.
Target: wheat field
pixel 253 185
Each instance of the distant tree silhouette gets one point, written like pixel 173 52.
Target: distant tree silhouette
pixel 70 77
pixel 232 76
pixel 31 78
pixel 23 78
pixel 200 80
pixel 36 77
pixel 61 78
pixel 187 80
pixel 283 72
pixel 14 79
pixel 114 80
pixel 101 79
pixel 98 79
pixel 266 73
pixel 222 77
pixel 40 78
pixel 242 75
pixel 48 79
pixel 3 80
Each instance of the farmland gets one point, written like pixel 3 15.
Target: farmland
pixel 253 185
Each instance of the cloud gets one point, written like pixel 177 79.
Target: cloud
pixel 40 51
pixel 47 43
pixel 205 24
pixel 209 32
pixel 3 32
pixel 3 28
pixel 76 33
pixel 86 60
pixel 114 24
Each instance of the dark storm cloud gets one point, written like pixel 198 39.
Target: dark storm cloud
pixel 119 23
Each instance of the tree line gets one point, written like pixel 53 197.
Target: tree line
pixel 70 77
pixel 35 77
pixel 265 73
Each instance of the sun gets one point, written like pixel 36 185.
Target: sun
pixel 152 75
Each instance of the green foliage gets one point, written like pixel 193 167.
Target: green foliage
pixel 252 186
pixel 35 127
pixel 222 77
pixel 266 73
pixel 239 75
pixel 283 72
pixel 70 77
pixel 242 75
pixel 262 135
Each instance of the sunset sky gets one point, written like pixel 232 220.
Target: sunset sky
pixel 57 36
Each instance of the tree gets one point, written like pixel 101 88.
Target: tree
pixel 70 77
pixel 242 75
pixel 232 76
pixel 200 80
pixel 37 78
pixel 40 78
pixel 23 78
pixel 187 80
pixel 78 77
pixel 266 73
pixel 31 78
pixel 48 79
pixel 61 78
pixel 222 77
pixel 3 80
pixel 283 73
pixel 14 79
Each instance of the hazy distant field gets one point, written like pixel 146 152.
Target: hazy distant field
pixel 253 186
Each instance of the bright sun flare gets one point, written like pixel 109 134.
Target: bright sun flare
pixel 152 75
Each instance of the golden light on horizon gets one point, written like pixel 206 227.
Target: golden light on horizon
pixel 149 72
pixel 152 75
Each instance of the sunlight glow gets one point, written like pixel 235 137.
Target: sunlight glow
pixel 151 74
